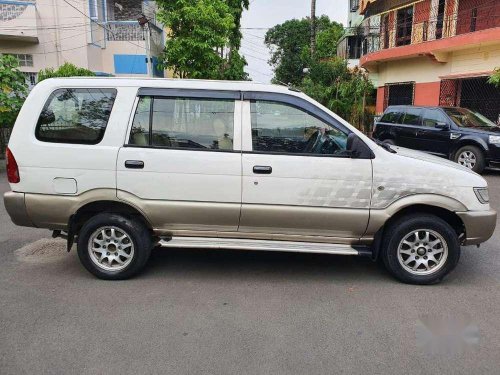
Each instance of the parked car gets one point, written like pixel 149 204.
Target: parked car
pixel 122 165
pixel 458 134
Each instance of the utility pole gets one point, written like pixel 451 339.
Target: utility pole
pixel 144 23
pixel 313 27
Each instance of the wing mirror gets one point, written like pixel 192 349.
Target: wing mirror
pixel 442 126
pixel 357 149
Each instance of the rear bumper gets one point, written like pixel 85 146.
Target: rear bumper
pixel 16 208
pixel 479 225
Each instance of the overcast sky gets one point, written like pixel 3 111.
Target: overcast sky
pixel 268 13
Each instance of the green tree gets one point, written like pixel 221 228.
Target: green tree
pixel 203 38
pixel 290 44
pixel 13 90
pixel 495 78
pixel 65 70
pixel 344 91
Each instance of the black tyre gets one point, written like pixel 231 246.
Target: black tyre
pixel 420 249
pixel 471 157
pixel 390 142
pixel 114 247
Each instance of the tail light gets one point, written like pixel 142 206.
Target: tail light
pixel 12 168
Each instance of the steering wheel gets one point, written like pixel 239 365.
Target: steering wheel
pixel 312 142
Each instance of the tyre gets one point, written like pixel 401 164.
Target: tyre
pixel 471 157
pixel 390 142
pixel 420 249
pixel 113 246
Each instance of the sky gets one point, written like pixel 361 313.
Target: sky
pixel 268 13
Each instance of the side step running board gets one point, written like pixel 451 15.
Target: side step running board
pixel 262 245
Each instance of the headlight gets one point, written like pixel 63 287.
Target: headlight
pixel 494 139
pixel 482 194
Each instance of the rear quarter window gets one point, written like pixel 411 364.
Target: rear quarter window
pixel 392 116
pixel 78 116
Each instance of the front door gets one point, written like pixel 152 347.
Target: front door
pixel 181 164
pixel 299 183
pixel 431 138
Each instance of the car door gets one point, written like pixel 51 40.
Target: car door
pixel 181 164
pixel 410 123
pixel 298 181
pixel 431 138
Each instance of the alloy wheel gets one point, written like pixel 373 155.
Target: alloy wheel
pixel 111 248
pixel 467 159
pixel 422 252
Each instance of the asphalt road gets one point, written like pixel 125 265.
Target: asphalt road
pixel 237 312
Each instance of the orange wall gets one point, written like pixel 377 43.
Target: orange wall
pixel 427 93
pixel 379 107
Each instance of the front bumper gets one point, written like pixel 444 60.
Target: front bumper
pixel 479 225
pixel 16 208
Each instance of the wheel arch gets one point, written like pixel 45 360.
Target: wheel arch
pixel 469 141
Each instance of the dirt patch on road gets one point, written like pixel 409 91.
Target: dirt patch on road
pixel 43 250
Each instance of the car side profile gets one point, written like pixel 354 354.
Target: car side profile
pixel 458 134
pixel 123 165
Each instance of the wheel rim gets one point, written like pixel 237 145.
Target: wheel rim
pixel 111 248
pixel 422 252
pixel 467 159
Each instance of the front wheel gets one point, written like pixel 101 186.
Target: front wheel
pixel 471 157
pixel 420 249
pixel 114 247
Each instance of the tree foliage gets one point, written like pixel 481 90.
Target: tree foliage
pixel 204 38
pixel 65 70
pixel 289 43
pixel 13 90
pixel 495 78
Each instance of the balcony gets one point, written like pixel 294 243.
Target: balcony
pixel 412 31
pixel 18 21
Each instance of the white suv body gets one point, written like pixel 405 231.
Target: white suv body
pixel 229 165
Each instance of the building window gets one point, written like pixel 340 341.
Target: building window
pixel 404 26
pixel 354 5
pixel 24 59
pixel 399 94
pixel 385 31
pixel 473 19
pixel 93 13
pixel 440 19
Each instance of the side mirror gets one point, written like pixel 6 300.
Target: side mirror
pixel 46 117
pixel 442 126
pixel 357 149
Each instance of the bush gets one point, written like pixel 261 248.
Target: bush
pixel 65 70
pixel 13 90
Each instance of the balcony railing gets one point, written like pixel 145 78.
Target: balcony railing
pixel 124 31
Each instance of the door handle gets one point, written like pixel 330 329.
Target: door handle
pixel 262 169
pixel 134 164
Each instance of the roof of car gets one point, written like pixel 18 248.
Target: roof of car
pixel 169 83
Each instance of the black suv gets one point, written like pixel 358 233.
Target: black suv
pixel 458 134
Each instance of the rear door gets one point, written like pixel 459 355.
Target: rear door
pixel 432 139
pixel 181 164
pixel 410 123
pixel 298 181
pixel 387 127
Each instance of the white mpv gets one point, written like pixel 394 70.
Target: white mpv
pixel 123 165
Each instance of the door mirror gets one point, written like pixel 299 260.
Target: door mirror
pixel 442 126
pixel 357 149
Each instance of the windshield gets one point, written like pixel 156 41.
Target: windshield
pixel 468 119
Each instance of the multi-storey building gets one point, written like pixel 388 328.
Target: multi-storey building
pixel 101 35
pixel 433 52
pixel 349 45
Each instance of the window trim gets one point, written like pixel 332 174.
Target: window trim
pixel 74 142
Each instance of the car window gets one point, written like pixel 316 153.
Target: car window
pixel 75 116
pixel 190 123
pixel 433 116
pixel 392 116
pixel 412 116
pixel 465 118
pixel 282 128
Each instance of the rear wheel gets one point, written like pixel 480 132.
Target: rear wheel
pixel 420 249
pixel 471 157
pixel 114 247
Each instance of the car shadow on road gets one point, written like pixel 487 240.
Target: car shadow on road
pixel 257 265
